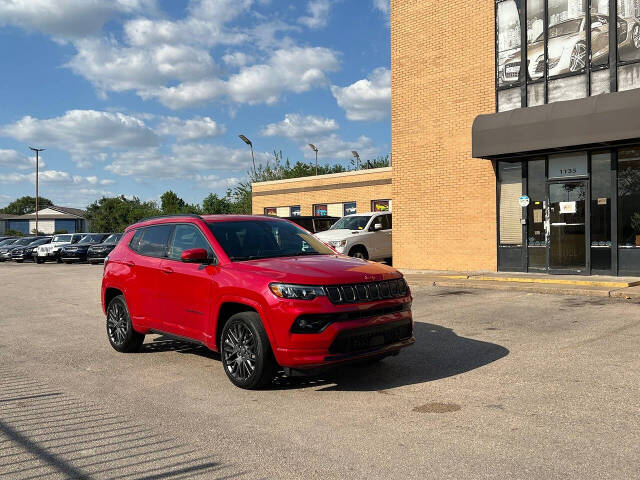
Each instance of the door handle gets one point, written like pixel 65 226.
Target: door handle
pixel 167 270
pixel 129 263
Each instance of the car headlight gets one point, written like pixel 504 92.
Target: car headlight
pixel 297 292
pixel 338 244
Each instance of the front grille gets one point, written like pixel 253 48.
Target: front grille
pixel 358 339
pixel 367 292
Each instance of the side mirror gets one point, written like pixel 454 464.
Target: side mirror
pixel 195 255
pixel 377 226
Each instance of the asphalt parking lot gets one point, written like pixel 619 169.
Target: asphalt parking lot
pixel 499 385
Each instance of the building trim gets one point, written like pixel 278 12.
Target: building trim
pixel 315 188
pixel 371 171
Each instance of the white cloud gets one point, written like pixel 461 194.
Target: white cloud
pixel 237 59
pixel 299 127
pixel 185 161
pixel 322 133
pixel 55 177
pixel 215 182
pixel 368 99
pixel 191 129
pixel 382 5
pixel 65 19
pixel 318 14
pixel 15 160
pixel 84 133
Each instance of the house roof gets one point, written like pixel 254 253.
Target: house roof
pixel 68 211
pixel 7 216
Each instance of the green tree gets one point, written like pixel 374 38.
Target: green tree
pixel 215 205
pixel 172 204
pixel 114 214
pixel 24 205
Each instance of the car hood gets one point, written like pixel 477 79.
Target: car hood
pixel 335 235
pixel 317 270
pixel 54 244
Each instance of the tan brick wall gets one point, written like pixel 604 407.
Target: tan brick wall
pixel 442 61
pixel 334 188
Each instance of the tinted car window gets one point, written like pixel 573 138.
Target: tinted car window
pixel 61 238
pixel 76 238
pixel 154 240
pixel 323 224
pixel 135 241
pixel 187 237
pixel 113 238
pixel 385 220
pixel 304 223
pixel 248 240
pixel 352 222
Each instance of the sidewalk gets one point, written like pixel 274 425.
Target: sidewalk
pixel 622 288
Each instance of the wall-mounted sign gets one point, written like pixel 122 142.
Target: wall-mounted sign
pixel 602 201
pixel 568 165
pixel 524 201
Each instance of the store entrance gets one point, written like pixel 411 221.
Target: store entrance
pixel 566 227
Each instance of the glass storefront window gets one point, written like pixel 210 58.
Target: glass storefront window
pixel 508 38
pixel 320 210
pixel 509 99
pixel 599 32
pixel 535 39
pixel 568 165
pixel 535 214
pixel 380 205
pixel 601 191
pixel 349 208
pixel 272 211
pixel 295 211
pixel 628 30
pixel 510 179
pixel 600 82
pixel 566 37
pixel 568 88
pixel 629 197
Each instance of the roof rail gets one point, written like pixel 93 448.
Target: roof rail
pixel 188 215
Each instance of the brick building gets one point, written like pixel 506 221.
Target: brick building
pixel 515 137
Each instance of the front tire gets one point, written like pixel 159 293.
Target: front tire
pixel 246 352
pixel 39 260
pixel 120 332
pixel 359 252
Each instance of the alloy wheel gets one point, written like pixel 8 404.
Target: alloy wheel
pixel 578 57
pixel 117 323
pixel 240 352
pixel 636 36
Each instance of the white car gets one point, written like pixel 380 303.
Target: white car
pixel 51 251
pixel 364 235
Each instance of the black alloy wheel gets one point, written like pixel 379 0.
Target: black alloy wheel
pixel 246 352
pixel 122 336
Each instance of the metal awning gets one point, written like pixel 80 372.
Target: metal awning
pixel 599 120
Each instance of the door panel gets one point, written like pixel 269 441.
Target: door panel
pixel 567 226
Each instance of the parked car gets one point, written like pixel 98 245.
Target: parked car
pixel 314 224
pixel 52 250
pixel 20 254
pixel 77 252
pixel 98 253
pixel 260 290
pixel 5 251
pixel 5 237
pixel 7 241
pixel 363 235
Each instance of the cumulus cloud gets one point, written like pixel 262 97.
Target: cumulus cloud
pixel 15 160
pixel 84 133
pixel 67 19
pixel 237 59
pixel 55 177
pixel 318 14
pixel 368 99
pixel 215 182
pixel 303 130
pixel 185 161
pixel 300 127
pixel 190 129
pixel 382 5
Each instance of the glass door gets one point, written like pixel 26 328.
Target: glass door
pixel 566 230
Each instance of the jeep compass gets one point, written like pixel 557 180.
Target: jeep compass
pixel 263 292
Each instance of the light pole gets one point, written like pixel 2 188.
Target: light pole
pixel 357 157
pixel 37 150
pixel 313 147
pixel 248 142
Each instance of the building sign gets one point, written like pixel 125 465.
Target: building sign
pixel 567 207
pixel 320 210
pixel 380 205
pixel 295 211
pixel 271 211
pixel 524 201
pixel 569 165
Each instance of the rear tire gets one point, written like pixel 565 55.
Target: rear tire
pixel 120 332
pixel 246 352
pixel 359 252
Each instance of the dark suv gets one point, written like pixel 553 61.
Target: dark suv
pixel 262 291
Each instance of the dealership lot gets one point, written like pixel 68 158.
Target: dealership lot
pixel 499 384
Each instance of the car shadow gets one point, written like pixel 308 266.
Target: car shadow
pixel 438 353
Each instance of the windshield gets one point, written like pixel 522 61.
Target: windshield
pixel 253 239
pixel 24 241
pixel 7 241
pixel 113 238
pixel 89 239
pixel 42 241
pixel 561 29
pixel 62 238
pixel 354 222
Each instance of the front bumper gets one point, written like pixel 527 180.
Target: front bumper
pixel 49 255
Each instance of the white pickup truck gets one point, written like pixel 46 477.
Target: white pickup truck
pixel 363 235
pixel 51 251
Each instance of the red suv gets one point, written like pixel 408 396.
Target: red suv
pixel 262 291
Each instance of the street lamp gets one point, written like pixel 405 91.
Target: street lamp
pixel 37 150
pixel 248 142
pixel 313 147
pixel 357 157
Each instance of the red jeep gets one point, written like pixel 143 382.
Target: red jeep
pixel 262 291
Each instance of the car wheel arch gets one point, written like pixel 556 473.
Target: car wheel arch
pixel 229 307
pixel 359 246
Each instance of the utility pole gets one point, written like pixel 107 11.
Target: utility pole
pixel 313 147
pixel 37 150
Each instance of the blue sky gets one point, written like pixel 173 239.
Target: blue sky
pixel 136 97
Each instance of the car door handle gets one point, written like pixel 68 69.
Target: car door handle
pixel 129 263
pixel 167 270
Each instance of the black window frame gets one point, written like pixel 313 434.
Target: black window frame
pixel 523 83
pixel 141 232
pixel 212 257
